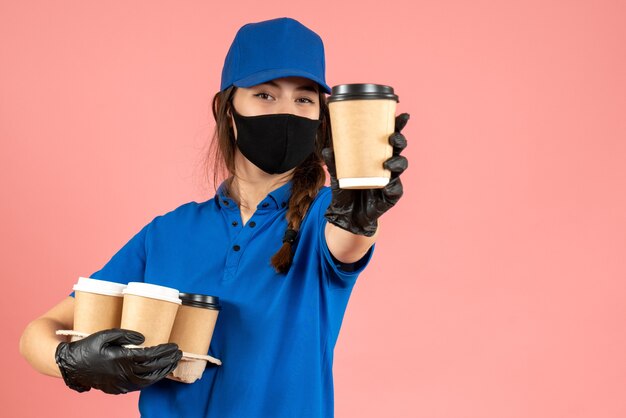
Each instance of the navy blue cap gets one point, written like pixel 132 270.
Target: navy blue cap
pixel 272 49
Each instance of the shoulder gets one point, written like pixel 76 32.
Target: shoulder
pixel 185 213
pixel 315 213
pixel 322 199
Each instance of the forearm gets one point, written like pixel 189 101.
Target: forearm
pixel 346 246
pixel 38 345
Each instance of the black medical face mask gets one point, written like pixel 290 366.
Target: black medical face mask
pixel 275 143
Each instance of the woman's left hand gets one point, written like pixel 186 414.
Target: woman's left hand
pixel 357 211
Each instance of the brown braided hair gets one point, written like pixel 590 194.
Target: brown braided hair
pixel 308 178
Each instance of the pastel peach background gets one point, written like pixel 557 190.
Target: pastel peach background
pixel 498 285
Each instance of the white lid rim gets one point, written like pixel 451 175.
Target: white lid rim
pixel 153 296
pixel 153 291
pixel 97 286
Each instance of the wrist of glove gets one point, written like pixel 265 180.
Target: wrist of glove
pixel 357 211
pixel 101 361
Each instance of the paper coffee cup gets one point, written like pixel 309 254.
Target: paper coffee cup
pixel 195 322
pixel 362 119
pixel 151 310
pixel 97 305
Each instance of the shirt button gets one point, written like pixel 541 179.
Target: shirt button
pixel 283 204
pixel 235 223
pixel 236 247
pixel 226 202
pixel 252 224
pixel 265 205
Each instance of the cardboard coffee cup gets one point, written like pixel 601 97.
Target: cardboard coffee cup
pixel 362 119
pixel 151 310
pixel 195 322
pixel 97 305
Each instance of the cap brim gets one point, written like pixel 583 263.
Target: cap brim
pixel 267 75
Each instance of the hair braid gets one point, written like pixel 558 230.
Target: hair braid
pixel 308 179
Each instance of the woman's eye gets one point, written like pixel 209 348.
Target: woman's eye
pixel 306 100
pixel 263 96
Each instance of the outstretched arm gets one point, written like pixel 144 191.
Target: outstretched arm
pixel 353 215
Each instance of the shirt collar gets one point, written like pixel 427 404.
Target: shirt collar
pixel 276 199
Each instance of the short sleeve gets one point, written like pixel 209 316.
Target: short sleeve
pixel 128 264
pixel 332 267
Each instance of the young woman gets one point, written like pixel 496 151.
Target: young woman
pixel 281 250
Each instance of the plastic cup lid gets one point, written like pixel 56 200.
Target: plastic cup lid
pixel 362 91
pixel 101 287
pixel 153 291
pixel 200 301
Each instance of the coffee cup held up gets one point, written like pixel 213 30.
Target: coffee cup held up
pixel 362 119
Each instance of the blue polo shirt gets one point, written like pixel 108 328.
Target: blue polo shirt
pixel 275 333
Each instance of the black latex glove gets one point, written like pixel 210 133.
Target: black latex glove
pixel 99 361
pixel 357 211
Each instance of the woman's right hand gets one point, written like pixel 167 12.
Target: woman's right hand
pixel 101 362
